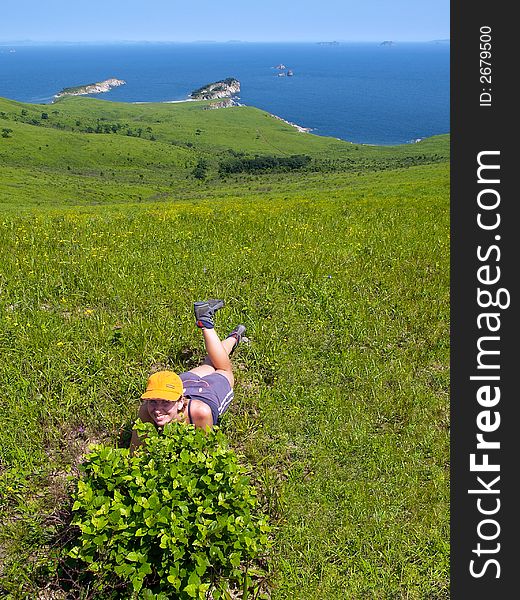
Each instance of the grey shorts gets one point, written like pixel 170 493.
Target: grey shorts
pixel 214 390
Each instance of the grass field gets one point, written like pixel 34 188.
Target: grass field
pixel 340 271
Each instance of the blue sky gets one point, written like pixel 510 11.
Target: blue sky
pixel 223 20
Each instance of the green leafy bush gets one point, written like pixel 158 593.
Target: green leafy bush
pixel 176 519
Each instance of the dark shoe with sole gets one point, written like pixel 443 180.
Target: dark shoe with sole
pixel 205 311
pixel 238 334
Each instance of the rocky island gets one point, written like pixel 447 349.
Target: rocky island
pixel 91 88
pixel 282 71
pixel 218 89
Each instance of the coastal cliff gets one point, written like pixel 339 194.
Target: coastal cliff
pixel 218 89
pixel 225 103
pixel 91 88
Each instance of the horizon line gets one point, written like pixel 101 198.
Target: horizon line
pixel 121 41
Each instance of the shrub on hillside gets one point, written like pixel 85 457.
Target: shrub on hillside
pixel 201 169
pixel 175 520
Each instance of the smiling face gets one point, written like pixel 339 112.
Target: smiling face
pixel 165 411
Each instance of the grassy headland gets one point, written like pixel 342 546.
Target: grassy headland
pixel 114 218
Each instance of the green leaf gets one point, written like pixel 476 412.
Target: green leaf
pixel 145 569
pixel 133 556
pixel 191 590
pixel 175 581
pixel 137 582
pixel 201 569
pixel 235 559
pixel 123 570
pixel 194 578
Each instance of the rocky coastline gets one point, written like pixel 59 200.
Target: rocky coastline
pixel 224 88
pixel 298 127
pixel 224 103
pixel 91 88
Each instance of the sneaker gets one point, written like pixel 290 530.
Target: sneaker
pixel 238 334
pixel 204 312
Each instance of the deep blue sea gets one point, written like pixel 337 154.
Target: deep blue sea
pixel 360 92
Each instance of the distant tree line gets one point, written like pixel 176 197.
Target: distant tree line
pixel 242 164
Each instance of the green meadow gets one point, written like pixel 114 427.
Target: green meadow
pixel 115 218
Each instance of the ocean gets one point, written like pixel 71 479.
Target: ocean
pixel 361 92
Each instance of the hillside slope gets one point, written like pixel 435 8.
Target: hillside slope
pixel 338 265
pixel 92 151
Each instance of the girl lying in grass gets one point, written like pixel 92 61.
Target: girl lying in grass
pixel 199 396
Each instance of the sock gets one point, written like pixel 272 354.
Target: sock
pixel 203 324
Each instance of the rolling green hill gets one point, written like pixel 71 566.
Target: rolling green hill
pixel 115 218
pixel 153 150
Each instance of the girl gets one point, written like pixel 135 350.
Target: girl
pixel 199 396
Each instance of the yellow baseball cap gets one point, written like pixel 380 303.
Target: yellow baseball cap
pixel 164 385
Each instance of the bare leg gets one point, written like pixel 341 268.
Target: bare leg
pixel 218 356
pixel 218 353
pixel 229 344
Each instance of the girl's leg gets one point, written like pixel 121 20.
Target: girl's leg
pixel 218 353
pixel 218 356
